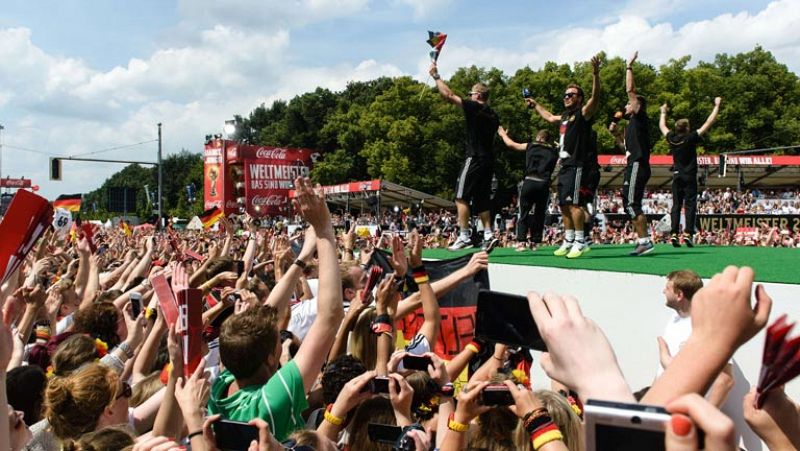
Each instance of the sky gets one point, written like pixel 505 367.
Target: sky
pixel 78 77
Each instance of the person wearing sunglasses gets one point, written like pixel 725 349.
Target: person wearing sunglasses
pixel 575 151
pixel 637 172
pixel 475 178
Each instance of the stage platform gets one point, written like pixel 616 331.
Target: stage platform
pixel 776 265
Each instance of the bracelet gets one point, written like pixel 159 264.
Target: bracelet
pixel 126 349
pixel 498 358
pixel 472 347
pixel 545 436
pixel 630 68
pixel 300 263
pixel 537 422
pixel 331 418
pixel 436 76
pixel 420 275
pixel 455 426
pixel 533 413
pixel 193 434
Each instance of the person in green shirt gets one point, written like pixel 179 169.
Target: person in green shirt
pixel 251 385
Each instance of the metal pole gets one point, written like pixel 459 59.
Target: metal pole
pixel 160 180
pixel 1 151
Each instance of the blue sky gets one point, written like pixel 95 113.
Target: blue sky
pixel 81 76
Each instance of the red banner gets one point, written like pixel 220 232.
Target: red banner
pixel 254 178
pixel 351 187
pixel 8 182
pixel 190 315
pixel 709 160
pixel 27 218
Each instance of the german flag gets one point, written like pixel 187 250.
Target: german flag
pixel 71 202
pixel 210 217
pixel 126 229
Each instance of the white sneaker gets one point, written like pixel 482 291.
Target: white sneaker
pixel 461 243
pixel 564 249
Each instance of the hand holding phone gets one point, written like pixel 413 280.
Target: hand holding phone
pixel 497 395
pixel 416 362
pixel 234 435
pixel 136 303
pixel 379 385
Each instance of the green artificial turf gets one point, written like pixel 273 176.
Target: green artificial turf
pixel 780 265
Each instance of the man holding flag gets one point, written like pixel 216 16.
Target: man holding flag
pixel 475 177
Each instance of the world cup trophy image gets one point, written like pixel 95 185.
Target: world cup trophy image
pixel 213 175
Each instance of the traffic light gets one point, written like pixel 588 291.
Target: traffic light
pixel 55 169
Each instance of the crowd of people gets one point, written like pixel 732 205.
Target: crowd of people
pixel 298 353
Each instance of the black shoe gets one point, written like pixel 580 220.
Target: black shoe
pixel 687 240
pixel 489 245
pixel 675 241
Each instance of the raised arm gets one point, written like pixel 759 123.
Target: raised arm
pixel 711 117
pixel 430 305
pixel 662 122
pixel 444 90
pixel 280 295
pixel 630 86
pixel 510 143
pixel 546 115
pixel 315 347
pixel 594 103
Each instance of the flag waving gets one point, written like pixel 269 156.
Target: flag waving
pixel 210 217
pixel 436 40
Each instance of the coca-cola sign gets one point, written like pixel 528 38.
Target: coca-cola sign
pixel 273 153
pixel 273 200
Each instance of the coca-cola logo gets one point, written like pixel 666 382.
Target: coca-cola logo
pixel 273 200
pixel 231 204
pixel 277 154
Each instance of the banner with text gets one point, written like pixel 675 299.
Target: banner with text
pixel 729 222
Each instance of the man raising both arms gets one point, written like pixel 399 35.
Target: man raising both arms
pixel 575 147
pixel 475 179
pixel 637 173
pixel 683 147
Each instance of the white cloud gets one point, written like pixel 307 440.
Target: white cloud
pixel 426 8
pixel 265 14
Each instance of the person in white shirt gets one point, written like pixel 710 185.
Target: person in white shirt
pixel 731 385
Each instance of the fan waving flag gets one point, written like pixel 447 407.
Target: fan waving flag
pixel 69 202
pixel 436 40
pixel 210 217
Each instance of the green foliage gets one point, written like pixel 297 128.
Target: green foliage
pixel 179 170
pixel 403 131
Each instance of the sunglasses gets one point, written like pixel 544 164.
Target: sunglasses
pixel 125 392
pixel 570 95
pixel 291 445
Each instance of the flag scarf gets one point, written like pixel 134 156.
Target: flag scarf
pixel 436 41
pixel 70 202
pixel 211 216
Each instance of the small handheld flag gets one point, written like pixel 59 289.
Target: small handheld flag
pixel 436 40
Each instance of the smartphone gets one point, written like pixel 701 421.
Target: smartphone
pixel 384 433
pixel 136 303
pixel 346 225
pixel 624 427
pixel 526 93
pixel 506 318
pixel 234 435
pixel 496 395
pixel 239 267
pixel 379 385
pixel 417 362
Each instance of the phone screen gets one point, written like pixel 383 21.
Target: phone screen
pixel 496 395
pixel 415 362
pixel 506 318
pixel 234 435
pixel 136 304
pixel 379 385
pixel 384 433
pixel 627 439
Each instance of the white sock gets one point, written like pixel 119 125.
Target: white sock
pixel 487 234
pixel 644 240
pixel 569 235
pixel 579 236
pixel 465 233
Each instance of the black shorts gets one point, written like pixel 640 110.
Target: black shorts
pixel 475 184
pixel 636 176
pixel 590 182
pixel 569 185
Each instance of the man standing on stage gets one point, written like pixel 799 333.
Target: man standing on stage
pixel 534 189
pixel 475 179
pixel 637 173
pixel 575 147
pixel 683 147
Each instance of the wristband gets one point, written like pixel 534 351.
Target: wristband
pixel 473 347
pixel 300 263
pixel 420 275
pixel 193 434
pixel 536 423
pixel 381 328
pixel 455 426
pixel 126 349
pixel 548 434
pixel 630 68
pixel 447 390
pixel 436 76
pixel 331 418
pixel 533 414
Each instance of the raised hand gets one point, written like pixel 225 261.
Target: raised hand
pixel 665 108
pixel 717 101
pixel 692 411
pixel 595 61
pixel 398 260
pixel 415 243
pixel 310 201
pixel 633 58
pixel 580 355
